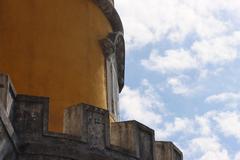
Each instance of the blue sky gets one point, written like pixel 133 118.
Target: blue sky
pixel 182 73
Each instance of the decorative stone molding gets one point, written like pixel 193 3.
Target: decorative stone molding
pixel 114 44
pixel 116 38
pixel 111 14
pixel 113 47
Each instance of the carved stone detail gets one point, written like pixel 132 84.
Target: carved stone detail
pixel 114 44
pixel 111 14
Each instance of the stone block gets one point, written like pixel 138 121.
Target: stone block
pixel 89 123
pixel 7 93
pixel 30 117
pixel 134 137
pixel 6 146
pixel 167 151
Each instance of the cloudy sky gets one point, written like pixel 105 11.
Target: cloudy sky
pixel 182 73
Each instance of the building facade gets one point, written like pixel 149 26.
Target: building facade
pixel 53 46
pixel 66 61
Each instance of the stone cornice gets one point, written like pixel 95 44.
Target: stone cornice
pixel 111 14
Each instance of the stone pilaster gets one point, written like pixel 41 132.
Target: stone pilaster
pixel 89 123
pixel 7 93
pixel 167 151
pixel 133 137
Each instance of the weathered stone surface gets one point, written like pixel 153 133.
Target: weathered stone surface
pixel 37 143
pixel 7 151
pixel 7 93
pixel 134 138
pixel 40 157
pixel 89 123
pixel 8 141
pixel 167 151
pixel 133 141
pixel 87 135
pixel 75 122
pixel 29 116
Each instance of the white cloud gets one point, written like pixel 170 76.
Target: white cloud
pixel 229 123
pixel 209 149
pixel 213 24
pixel 204 125
pixel 137 104
pixel 175 19
pixel 218 50
pixel 179 125
pixel 199 136
pixel 178 87
pixel 237 156
pixel 201 36
pixel 172 61
pixel 231 99
pixel 196 126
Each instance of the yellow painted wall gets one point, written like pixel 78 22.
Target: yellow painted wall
pixel 50 48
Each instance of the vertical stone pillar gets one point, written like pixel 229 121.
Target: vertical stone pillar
pixel 8 138
pixel 134 137
pixel 167 151
pixel 7 93
pixel 89 123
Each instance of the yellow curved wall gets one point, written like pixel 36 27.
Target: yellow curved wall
pixel 50 48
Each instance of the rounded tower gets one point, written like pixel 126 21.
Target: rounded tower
pixel 71 51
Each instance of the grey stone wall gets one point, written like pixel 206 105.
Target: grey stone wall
pixel 89 123
pixel 39 157
pixel 167 151
pixel 31 119
pixel 7 151
pixel 8 142
pixel 87 135
pixel 134 137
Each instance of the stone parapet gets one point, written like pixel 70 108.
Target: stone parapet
pixel 89 123
pixel 133 137
pixel 167 151
pixel 87 135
